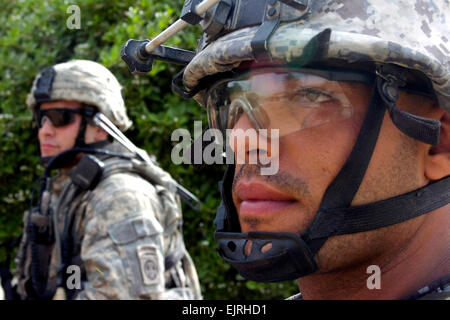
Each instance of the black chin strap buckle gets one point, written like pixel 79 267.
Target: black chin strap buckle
pixel 266 256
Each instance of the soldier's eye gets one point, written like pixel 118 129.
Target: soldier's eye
pixel 312 95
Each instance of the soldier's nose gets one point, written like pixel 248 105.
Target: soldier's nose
pixel 46 126
pixel 249 144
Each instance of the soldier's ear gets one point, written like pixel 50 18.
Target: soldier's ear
pixel 437 162
pixel 94 134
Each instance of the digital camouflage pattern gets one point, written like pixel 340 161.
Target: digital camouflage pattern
pixel 121 232
pixel 413 34
pixel 89 82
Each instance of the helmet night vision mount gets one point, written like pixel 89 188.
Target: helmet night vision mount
pixel 140 54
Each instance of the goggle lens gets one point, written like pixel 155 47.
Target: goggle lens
pixel 286 100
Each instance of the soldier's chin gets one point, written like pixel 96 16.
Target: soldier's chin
pixel 46 155
pixel 49 153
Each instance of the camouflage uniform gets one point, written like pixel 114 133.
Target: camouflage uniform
pixel 122 234
pixel 119 235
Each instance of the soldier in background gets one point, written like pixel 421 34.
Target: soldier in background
pixel 108 225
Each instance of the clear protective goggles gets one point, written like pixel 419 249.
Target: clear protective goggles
pixel 287 99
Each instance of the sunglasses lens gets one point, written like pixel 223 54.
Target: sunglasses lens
pixel 58 117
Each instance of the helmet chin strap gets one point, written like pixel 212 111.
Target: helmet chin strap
pixel 88 113
pixel 292 256
pixel 79 141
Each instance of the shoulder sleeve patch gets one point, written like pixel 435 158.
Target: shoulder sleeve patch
pixel 151 266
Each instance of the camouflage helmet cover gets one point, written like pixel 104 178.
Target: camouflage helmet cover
pixel 413 34
pixel 88 82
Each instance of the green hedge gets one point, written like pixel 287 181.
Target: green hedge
pixel 33 34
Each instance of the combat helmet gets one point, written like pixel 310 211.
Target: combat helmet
pixel 84 81
pixel 394 44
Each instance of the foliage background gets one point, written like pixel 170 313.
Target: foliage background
pixel 33 34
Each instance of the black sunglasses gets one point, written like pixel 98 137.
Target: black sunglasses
pixel 59 117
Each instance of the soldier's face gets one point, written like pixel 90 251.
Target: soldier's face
pixel 54 140
pixel 309 160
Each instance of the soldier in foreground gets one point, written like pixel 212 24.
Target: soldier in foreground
pixel 356 95
pixel 108 225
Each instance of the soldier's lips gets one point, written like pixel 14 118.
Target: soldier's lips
pixel 48 147
pixel 258 199
pixel 256 207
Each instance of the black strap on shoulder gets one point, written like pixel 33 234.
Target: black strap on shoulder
pixel 62 159
pixel 40 256
pixel 66 243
